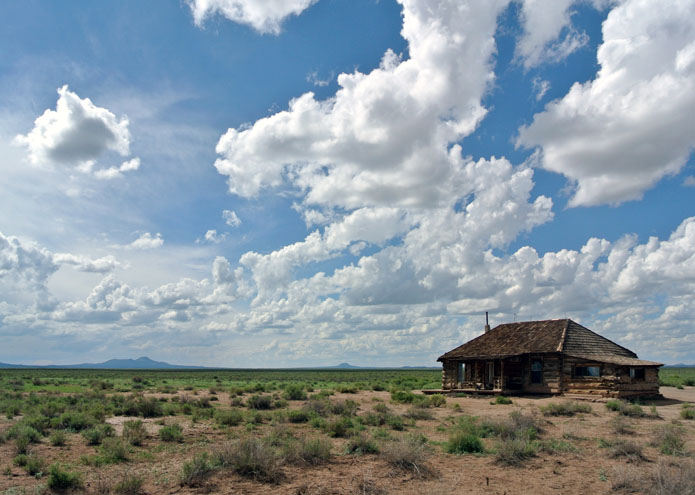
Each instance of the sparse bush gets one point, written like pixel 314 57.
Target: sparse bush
pixel 344 407
pixel 35 465
pixel 567 408
pixel 149 408
pixel 403 397
pixel 171 433
pixel 408 453
pixel 674 479
pixel 298 416
pixel 462 442
pixel 670 439
pixel 96 435
pixel 252 458
pixel 626 448
pixel 259 402
pixel 60 479
pixel 340 428
pixel 294 391
pixel 501 399
pixel 626 409
pixel 58 438
pixel 395 422
pixel 515 450
pixel 130 484
pixel 113 450
pixel 626 478
pixel 688 412
pixel 313 451
pixel 360 445
pixel 134 432
pixel 437 400
pixel 74 421
pixel 196 470
pixel 620 426
pixel 231 417
pixel 418 413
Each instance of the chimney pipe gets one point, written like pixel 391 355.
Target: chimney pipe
pixel 487 324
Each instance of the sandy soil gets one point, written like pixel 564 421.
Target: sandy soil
pixel 588 471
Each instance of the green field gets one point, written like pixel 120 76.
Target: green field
pixel 79 381
pixel 675 377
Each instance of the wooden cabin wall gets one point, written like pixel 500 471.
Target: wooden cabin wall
pixel 614 381
pixel 551 377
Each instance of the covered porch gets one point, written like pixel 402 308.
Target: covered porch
pixel 504 375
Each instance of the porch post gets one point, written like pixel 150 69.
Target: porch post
pixel 502 374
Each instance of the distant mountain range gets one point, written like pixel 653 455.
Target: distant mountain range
pixel 145 363
pixel 142 363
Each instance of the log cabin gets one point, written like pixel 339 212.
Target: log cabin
pixel 547 357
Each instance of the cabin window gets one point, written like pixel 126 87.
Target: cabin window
pixel 637 373
pixel 536 371
pixel 590 371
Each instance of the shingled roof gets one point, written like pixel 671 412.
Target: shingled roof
pixel 566 336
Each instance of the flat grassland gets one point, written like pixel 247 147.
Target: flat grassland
pixel 330 432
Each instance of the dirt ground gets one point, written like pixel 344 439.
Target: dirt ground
pixel 588 470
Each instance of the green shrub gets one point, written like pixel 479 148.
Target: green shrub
pixel 418 413
pixel 231 417
pixel 134 432
pixel 20 460
pixel 130 484
pixel 171 433
pixel 113 450
pixel 259 402
pixel 567 408
pixel 74 421
pixel 340 428
pixel 35 465
pixel 403 397
pixel 515 450
pixel 501 399
pixel 437 400
pixel 150 408
pixel 688 412
pixel 97 434
pixel 614 404
pixel 395 422
pixel 251 458
pixel 312 451
pixel 60 479
pixel 58 438
pixel 294 391
pixel 344 407
pixel 197 470
pixel 360 445
pixel 670 439
pixel 298 416
pixel 462 442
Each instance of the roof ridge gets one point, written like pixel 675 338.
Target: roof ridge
pixel 561 345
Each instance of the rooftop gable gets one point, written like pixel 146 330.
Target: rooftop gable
pixel 511 339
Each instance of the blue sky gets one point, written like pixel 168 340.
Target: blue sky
pixel 307 182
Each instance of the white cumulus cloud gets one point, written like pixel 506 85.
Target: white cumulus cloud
pixel 147 241
pixel 619 134
pixel 231 218
pixel 77 133
pixel 265 16
pixel 382 139
pixel 548 32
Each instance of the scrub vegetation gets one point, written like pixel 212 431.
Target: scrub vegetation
pixel 319 432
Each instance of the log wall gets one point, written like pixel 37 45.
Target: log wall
pixel 614 381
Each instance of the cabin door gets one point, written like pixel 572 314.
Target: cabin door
pixel 490 374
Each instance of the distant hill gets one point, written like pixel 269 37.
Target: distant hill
pixel 145 363
pixel 142 363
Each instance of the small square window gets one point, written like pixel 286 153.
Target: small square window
pixel 637 373
pixel 587 371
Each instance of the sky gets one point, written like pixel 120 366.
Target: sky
pixel 307 182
